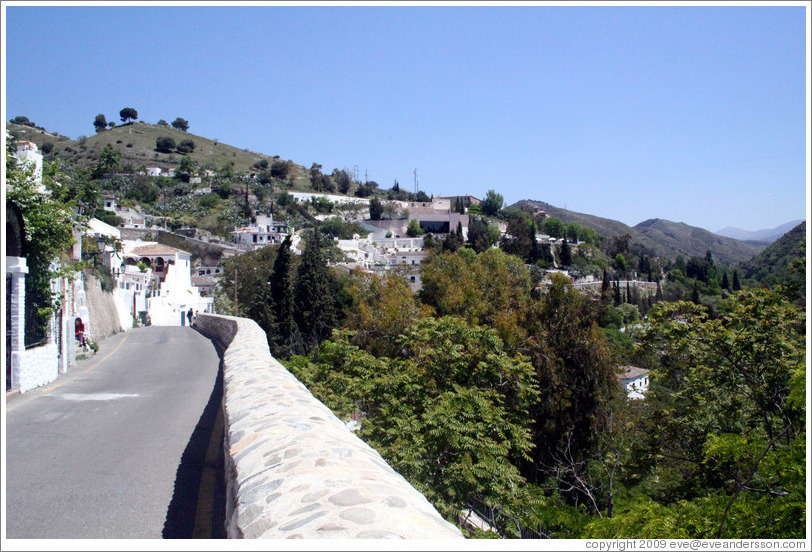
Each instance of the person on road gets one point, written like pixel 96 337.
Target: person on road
pixel 191 317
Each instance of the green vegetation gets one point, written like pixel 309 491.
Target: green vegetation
pixel 495 387
pixel 49 221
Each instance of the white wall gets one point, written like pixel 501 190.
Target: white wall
pixel 36 367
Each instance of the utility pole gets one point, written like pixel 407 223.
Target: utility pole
pixel 415 181
pixel 235 292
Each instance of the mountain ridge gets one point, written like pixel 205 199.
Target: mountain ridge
pixel 767 235
pixel 659 237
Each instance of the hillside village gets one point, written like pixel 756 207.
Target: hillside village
pixel 499 357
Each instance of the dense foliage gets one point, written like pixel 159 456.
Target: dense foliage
pixel 50 215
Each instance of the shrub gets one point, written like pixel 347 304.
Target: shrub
pixel 165 144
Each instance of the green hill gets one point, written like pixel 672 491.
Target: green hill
pixel 658 237
pixel 137 144
pixel 774 265
pixel 692 241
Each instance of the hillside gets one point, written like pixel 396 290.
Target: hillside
pixel 692 241
pixel 772 266
pixel 137 144
pixel 658 237
pixel 766 235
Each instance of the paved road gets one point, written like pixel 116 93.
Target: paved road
pixel 123 446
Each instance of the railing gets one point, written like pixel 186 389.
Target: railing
pixel 292 468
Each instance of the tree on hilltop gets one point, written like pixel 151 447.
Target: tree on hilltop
pixel 181 124
pixel 127 114
pixel 100 122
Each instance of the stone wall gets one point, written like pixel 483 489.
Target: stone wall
pixel 293 469
pixel 101 306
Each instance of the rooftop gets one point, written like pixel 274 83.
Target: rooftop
pixel 631 372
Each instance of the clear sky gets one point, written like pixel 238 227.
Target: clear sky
pixel 694 114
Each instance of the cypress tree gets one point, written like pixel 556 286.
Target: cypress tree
pixel 605 284
pixel 736 284
pixel 628 293
pixel 695 294
pixel 618 299
pixel 725 282
pixel 565 256
pixel 284 336
pixel 314 302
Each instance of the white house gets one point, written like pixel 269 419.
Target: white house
pixel 634 381
pixel 28 154
pixel 264 232
pixel 131 217
pixel 155 278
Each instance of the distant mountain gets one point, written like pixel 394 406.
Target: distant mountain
pixel 767 235
pixel 693 241
pixel 659 237
pixel 772 266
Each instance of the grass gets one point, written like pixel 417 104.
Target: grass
pixel 136 144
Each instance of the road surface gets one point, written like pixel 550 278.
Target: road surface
pixel 127 445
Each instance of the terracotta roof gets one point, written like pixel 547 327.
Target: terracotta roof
pixel 631 372
pixel 154 249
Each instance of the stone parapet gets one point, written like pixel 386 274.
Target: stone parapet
pixel 293 469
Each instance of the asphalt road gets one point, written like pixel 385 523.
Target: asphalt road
pixel 124 446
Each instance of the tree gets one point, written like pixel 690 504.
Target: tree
pixel 181 124
pixel 21 120
pixel 165 144
pixel 100 122
pixel 449 412
pixel 736 284
pixel 481 235
pixel 726 399
pixel 281 169
pixel 725 281
pixel 492 203
pixel 186 168
pixel 109 161
pixel 315 294
pixel 315 177
pixel 414 229
pixel 520 236
pixel 375 209
pixel 565 255
pixel 342 180
pixel 186 146
pixel 128 114
pixel 574 372
pixel 620 264
pixel 284 339
pixel 163 123
pixel 554 227
pixel 49 225
pixel 382 309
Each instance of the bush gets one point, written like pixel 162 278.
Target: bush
pixel 186 146
pixel 165 144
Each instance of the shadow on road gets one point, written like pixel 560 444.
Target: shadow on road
pixel 197 509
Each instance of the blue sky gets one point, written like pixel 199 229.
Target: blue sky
pixel 693 114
